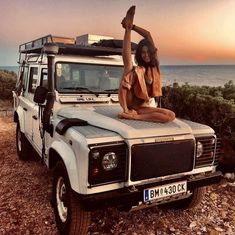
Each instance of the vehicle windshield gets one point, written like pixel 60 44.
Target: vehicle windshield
pixel 87 78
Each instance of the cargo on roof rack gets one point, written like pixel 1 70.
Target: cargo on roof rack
pixel 67 46
pixel 40 42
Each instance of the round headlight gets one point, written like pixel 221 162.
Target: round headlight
pixel 199 149
pixel 110 161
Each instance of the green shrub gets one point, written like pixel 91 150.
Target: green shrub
pixel 7 83
pixel 213 106
pixel 229 91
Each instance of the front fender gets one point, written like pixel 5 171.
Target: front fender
pixel 68 157
pixel 19 116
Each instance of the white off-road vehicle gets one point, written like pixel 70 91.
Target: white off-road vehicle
pixel 66 107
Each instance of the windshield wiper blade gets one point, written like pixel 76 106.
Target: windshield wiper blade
pixel 80 88
pixel 112 90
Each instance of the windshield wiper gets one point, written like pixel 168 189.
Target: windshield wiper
pixel 80 88
pixel 112 90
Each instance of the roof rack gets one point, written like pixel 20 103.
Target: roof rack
pixel 68 46
pixel 40 42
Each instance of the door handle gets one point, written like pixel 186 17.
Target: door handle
pixel 35 117
pixel 25 109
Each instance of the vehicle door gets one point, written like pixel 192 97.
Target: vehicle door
pixel 36 116
pixel 27 101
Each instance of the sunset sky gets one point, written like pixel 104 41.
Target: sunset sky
pixel 186 32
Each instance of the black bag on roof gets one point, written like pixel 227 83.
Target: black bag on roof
pixel 115 43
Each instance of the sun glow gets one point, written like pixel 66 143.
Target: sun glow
pixel 184 31
pixel 200 34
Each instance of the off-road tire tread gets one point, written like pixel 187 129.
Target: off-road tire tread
pixel 26 149
pixel 197 197
pixel 188 203
pixel 79 218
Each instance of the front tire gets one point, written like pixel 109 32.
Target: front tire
pixel 191 202
pixel 70 216
pixel 23 147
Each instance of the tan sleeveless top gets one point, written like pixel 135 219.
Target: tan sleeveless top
pixel 137 80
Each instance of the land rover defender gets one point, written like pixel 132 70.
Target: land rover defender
pixel 66 107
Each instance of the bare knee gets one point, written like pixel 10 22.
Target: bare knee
pixel 170 116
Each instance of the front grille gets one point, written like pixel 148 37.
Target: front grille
pixel 161 159
pixel 218 151
pixel 210 155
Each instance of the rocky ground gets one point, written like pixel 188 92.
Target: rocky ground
pixel 25 193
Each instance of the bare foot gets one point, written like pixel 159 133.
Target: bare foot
pixel 127 116
pixel 127 22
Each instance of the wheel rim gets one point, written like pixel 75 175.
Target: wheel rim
pixel 60 199
pixel 19 139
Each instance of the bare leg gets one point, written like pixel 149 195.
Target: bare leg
pixel 155 114
pixel 151 114
pixel 127 23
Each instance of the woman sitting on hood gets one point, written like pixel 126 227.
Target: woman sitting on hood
pixel 142 83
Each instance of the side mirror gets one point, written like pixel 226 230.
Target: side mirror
pixel 40 95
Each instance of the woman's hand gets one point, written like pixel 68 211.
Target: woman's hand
pixel 124 23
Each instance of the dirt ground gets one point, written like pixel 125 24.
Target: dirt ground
pixel 25 194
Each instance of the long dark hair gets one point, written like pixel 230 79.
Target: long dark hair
pixel 152 51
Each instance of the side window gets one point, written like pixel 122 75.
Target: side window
pixel 33 76
pixel 44 78
pixel 25 75
pixel 22 82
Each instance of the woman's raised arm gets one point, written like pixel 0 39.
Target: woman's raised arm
pixel 144 33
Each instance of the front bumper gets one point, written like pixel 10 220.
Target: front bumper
pixel 133 195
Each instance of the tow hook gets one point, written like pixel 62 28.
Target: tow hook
pixel 133 189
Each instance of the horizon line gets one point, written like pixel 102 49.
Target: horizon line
pixel 160 65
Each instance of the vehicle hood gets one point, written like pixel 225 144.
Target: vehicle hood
pixel 106 117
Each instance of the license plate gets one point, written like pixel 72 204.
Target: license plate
pixel 164 191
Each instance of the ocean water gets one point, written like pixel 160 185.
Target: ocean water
pixel 10 68
pixel 200 75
